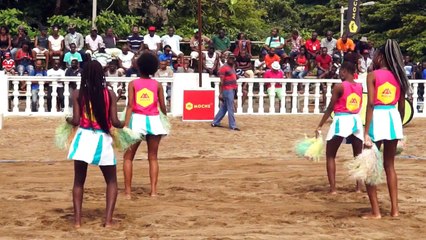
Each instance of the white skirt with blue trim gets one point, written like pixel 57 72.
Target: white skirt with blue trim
pixel 344 125
pixel 93 147
pixel 147 125
pixel 386 124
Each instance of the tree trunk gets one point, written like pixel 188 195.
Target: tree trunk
pixel 58 7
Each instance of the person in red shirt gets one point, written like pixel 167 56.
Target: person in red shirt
pixel 227 87
pixel 323 62
pixel 271 57
pixel 313 46
pixel 301 68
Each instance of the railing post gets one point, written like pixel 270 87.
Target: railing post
pixel 294 97
pixel 317 97
pixel 261 95
pixel 4 96
pixel 15 94
pixel 283 98
pixel 328 94
pixel 41 95
pixel 66 97
pixel 415 96
pixel 53 95
pixel 250 97
pixel 28 97
pixel 272 98
pixel 306 98
pixel 239 97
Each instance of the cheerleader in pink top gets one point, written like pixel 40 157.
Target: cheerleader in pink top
pixel 346 103
pixel 145 101
pixel 387 86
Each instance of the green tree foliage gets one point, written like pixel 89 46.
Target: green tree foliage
pixel 242 16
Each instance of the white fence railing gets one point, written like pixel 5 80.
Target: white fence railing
pixel 299 96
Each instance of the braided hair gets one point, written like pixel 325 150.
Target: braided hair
pixel 393 59
pixel 91 96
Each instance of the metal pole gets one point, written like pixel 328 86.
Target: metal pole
pixel 200 42
pixel 342 13
pixel 94 7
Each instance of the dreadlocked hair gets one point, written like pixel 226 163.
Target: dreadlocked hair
pixel 92 97
pixel 394 61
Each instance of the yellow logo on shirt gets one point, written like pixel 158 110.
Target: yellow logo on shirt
pixel 386 93
pixel 353 102
pixel 144 97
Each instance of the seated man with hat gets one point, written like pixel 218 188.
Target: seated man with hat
pixel 276 73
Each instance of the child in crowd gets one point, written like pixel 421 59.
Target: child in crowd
pixel 145 101
pixel 346 102
pixel 285 65
pixel 387 86
pixel 8 64
pixel 259 66
pixel 94 112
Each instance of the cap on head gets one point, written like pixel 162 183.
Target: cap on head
pixel 276 65
pixel 231 55
pixel 195 30
pixel 363 39
pixel 7 54
pixel 151 28
pixel 94 29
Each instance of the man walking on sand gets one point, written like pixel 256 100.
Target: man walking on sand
pixel 227 87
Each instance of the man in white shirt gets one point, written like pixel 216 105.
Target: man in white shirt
pixel 56 72
pixel 125 60
pixel 329 42
pixel 92 41
pixel 174 42
pixel 152 41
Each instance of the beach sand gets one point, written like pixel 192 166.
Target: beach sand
pixel 213 184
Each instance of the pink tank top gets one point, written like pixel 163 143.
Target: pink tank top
pixel 145 97
pixel 84 120
pixel 351 100
pixel 387 88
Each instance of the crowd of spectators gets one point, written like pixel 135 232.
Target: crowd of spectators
pixel 51 54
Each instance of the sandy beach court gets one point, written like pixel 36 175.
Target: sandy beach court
pixel 213 184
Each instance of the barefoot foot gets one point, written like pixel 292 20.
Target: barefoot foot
pixel 112 224
pixel 395 214
pixel 371 216
pixel 332 192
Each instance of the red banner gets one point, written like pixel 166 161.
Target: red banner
pixel 198 105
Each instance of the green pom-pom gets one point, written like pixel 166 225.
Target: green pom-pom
pixel 124 138
pixel 314 151
pixel 303 145
pixel 368 166
pixel 62 135
pixel 165 122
